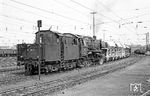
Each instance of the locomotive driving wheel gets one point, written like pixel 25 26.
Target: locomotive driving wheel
pixel 89 62
pixel 101 61
pixel 85 63
pixel 79 64
pixel 28 69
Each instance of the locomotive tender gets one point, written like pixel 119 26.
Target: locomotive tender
pixel 58 51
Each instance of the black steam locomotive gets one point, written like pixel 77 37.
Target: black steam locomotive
pixel 55 51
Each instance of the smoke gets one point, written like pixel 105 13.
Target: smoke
pixel 101 7
pixel 104 5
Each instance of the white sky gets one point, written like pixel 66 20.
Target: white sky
pixel 18 19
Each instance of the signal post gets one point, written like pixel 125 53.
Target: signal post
pixel 39 24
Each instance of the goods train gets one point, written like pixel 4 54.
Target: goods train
pixel 54 51
pixel 8 52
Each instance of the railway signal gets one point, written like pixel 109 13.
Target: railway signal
pixel 39 24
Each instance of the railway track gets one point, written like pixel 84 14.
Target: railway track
pixel 8 61
pixel 11 75
pixel 42 89
pixel 8 64
pixel 11 69
pixel 15 76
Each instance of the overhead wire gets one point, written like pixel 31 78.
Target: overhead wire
pixel 16 18
pixel 81 5
pixel 136 16
pixel 29 22
pixel 13 31
pixel 16 24
pixel 14 35
pixel 33 13
pixel 113 13
pixel 77 3
pixel 22 20
pixel 21 10
pixel 92 10
pixel 108 8
pixel 63 4
pixel 137 9
pixel 47 11
pixel 12 40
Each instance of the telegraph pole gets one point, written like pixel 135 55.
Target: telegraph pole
pixel 147 40
pixel 39 24
pixel 94 24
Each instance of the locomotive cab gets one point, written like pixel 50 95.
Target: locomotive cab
pixel 49 43
pixel 46 49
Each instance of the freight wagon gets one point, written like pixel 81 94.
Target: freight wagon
pixel 8 52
